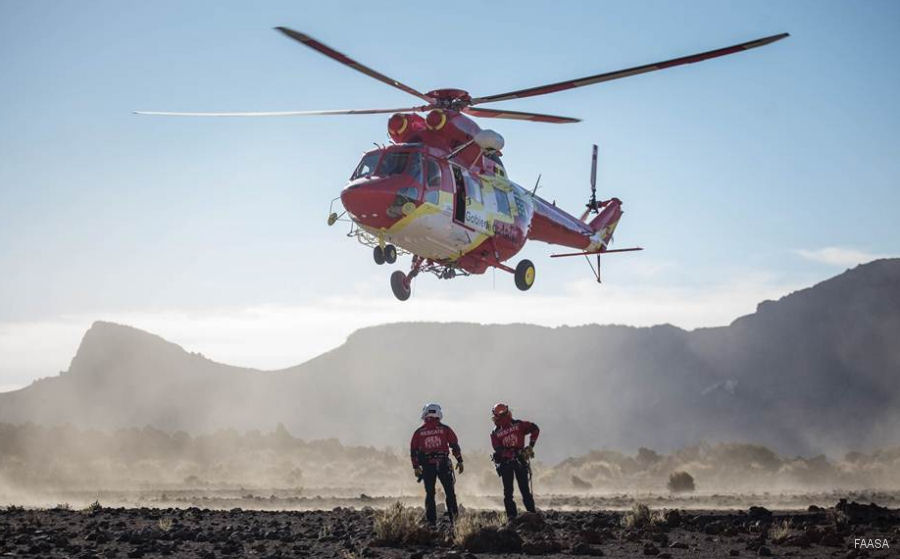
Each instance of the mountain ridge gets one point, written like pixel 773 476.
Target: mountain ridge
pixel 810 372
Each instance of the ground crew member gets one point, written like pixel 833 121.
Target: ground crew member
pixel 512 457
pixel 429 450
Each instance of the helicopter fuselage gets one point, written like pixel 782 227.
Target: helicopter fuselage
pixel 455 205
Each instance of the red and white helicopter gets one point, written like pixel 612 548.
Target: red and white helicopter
pixel 440 191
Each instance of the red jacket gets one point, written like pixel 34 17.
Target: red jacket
pixel 432 442
pixel 509 439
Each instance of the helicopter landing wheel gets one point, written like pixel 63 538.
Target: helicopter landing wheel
pixel 400 285
pixel 390 254
pixel 378 255
pixel 525 275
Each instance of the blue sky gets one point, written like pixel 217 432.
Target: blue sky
pixel 744 177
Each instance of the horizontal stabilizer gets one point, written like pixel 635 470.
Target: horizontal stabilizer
pixel 596 252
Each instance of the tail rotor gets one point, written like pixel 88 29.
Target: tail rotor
pixel 593 206
pixel 602 225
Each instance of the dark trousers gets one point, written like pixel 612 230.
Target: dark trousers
pixel 518 470
pixel 431 473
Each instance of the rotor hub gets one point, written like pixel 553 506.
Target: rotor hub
pixel 450 98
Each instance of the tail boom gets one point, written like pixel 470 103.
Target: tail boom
pixel 557 227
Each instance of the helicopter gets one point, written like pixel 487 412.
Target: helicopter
pixel 440 191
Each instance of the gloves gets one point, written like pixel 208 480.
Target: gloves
pixel 459 466
pixel 418 471
pixel 528 452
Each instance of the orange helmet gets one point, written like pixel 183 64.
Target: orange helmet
pixel 500 410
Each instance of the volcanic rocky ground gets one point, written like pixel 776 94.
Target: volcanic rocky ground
pixel 348 533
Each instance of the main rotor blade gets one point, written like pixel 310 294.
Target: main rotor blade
pixel 590 80
pixel 486 112
pixel 292 113
pixel 335 55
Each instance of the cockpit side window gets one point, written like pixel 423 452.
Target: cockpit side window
pixel 434 174
pixel 433 190
pixel 367 166
pixel 415 167
pixel 393 163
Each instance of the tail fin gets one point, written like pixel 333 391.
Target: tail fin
pixel 605 223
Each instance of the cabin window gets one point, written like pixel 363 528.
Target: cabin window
pixel 415 167
pixel 502 201
pixel 367 166
pixel 433 192
pixel 393 163
pixel 473 189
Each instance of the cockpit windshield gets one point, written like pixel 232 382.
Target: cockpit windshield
pixel 386 164
pixel 367 166
pixel 393 163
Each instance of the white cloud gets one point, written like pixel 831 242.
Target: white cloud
pixel 277 336
pixel 839 256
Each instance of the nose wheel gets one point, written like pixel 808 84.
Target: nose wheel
pixel 388 254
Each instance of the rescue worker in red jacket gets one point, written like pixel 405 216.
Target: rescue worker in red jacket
pixel 430 450
pixel 512 457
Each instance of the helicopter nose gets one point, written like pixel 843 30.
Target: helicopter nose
pixel 367 203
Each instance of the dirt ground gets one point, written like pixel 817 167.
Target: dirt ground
pixel 350 533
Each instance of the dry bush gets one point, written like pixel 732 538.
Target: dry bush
pixel 470 523
pixel 93 508
pixel 780 531
pixel 680 482
pixel 164 523
pixel 637 517
pixel 398 525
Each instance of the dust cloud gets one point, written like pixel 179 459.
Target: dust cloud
pixel 44 466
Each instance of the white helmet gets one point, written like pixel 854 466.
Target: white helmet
pixel 432 410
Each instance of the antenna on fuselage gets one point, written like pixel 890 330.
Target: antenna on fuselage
pixel 537 184
pixel 459 149
pixel 592 203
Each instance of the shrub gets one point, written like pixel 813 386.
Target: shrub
pixel 93 508
pixel 470 523
pixel 164 523
pixel 398 525
pixel 680 482
pixel 637 517
pixel 780 531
